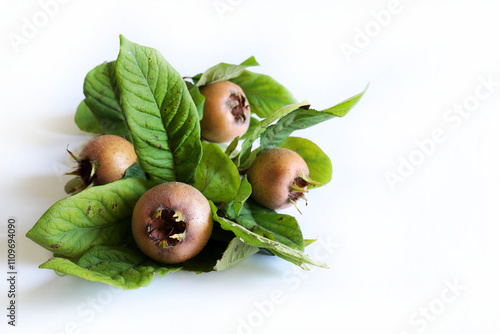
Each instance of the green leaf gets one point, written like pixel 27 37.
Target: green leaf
pixel 246 146
pixel 85 120
pixel 244 192
pixel 267 222
pixel 253 239
pixel 308 242
pixel 135 171
pixel 205 261
pixel 103 99
pixel 198 99
pixel 253 123
pixel 232 146
pixel 299 119
pixel 196 78
pixel 264 94
pixel 117 266
pixel 318 163
pixel 99 215
pixel 250 158
pixel 160 113
pixel 223 72
pixel 343 108
pixel 236 252
pixel 277 248
pixel 217 177
pixel 217 256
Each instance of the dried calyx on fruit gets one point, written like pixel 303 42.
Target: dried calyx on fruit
pixel 172 222
pixel 167 227
pixel 279 178
pixel 104 159
pixel 226 112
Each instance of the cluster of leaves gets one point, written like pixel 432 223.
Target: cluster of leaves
pixel 141 97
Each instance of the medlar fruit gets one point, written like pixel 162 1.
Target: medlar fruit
pixel 279 177
pixel 226 113
pixel 104 159
pixel 172 222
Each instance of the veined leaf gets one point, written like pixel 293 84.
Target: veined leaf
pixel 217 256
pixel 299 119
pixel 269 223
pixel 117 266
pixel 264 94
pixel 103 99
pixel 236 252
pixel 253 239
pixel 160 113
pixel 99 215
pixel 223 72
pixel 217 177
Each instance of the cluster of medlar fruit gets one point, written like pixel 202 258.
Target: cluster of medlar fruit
pixel 172 222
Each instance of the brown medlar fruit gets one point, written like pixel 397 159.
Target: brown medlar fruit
pixel 226 113
pixel 279 177
pixel 104 159
pixel 172 222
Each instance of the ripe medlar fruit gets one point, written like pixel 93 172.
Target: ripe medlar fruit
pixel 226 113
pixel 279 177
pixel 172 222
pixel 104 159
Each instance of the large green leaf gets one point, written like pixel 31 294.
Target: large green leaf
pixel 103 99
pixel 264 94
pixel 299 119
pixel 257 240
pixel 117 266
pixel 99 215
pixel 160 113
pixel 85 120
pixel 217 177
pixel 318 163
pixel 223 72
pixel 128 268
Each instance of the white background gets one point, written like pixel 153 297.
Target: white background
pixel 393 251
